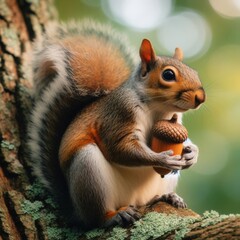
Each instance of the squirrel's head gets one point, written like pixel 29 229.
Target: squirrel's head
pixel 169 81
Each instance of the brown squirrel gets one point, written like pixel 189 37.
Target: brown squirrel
pixel 91 125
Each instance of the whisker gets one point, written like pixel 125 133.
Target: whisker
pixel 156 107
pixel 164 96
pixel 206 108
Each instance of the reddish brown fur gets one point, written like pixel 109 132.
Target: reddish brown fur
pixel 87 133
pixel 111 214
pixel 92 72
pixel 74 140
pixel 90 69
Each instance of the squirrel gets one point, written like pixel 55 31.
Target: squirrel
pixel 90 128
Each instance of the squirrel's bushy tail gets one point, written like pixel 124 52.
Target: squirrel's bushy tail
pixel 59 96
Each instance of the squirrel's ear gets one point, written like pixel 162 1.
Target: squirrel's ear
pixel 178 54
pixel 147 55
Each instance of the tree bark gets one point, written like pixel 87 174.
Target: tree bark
pixel 20 23
pixel 26 209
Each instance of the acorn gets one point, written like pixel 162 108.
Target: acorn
pixel 168 135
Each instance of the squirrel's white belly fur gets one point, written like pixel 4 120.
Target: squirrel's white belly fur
pixel 131 185
pixel 143 185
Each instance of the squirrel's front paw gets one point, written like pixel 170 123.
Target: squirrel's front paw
pixel 190 154
pixel 170 198
pixel 169 161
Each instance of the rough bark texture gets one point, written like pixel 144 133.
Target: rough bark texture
pixel 26 209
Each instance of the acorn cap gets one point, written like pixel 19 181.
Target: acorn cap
pixel 170 131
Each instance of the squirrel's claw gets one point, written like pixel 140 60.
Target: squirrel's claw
pixel 173 199
pixel 190 154
pixel 171 162
pixel 123 218
pixel 170 198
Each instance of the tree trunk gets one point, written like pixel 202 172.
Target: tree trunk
pixel 26 210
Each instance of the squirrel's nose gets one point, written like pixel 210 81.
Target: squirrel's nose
pixel 200 97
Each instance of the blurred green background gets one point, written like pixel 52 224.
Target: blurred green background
pixel 208 31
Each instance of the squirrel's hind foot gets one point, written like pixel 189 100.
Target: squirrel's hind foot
pixel 123 217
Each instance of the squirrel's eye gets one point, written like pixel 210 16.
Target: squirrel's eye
pixel 168 75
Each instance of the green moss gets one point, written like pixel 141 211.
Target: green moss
pixel 46 209
pixel 32 208
pixel 94 233
pixel 37 211
pixel 210 214
pixel 179 234
pixel 55 233
pixel 7 145
pixel 36 190
pixel 118 233
pixel 49 218
pixel 52 203
pixel 155 225
pixel 212 217
pixel 11 41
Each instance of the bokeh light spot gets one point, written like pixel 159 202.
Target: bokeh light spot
pixel 142 16
pixel 187 30
pixel 226 8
